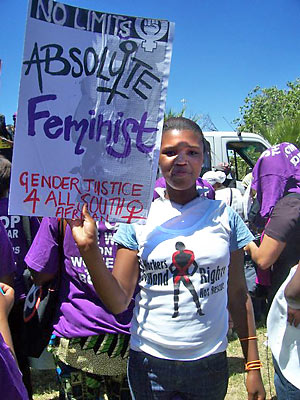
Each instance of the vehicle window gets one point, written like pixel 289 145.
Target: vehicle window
pixel 243 156
pixel 206 157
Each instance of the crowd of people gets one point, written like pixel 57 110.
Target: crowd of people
pixel 143 310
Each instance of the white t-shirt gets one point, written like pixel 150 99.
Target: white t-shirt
pixel 184 253
pixel 283 338
pixel 233 198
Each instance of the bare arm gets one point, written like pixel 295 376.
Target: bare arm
pixel 39 278
pixel 241 310
pixel 115 290
pixel 267 253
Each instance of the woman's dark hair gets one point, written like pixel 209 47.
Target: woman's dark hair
pixel 5 170
pixel 182 123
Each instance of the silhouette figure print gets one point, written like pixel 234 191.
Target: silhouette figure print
pixel 182 259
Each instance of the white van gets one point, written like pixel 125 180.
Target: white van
pixel 241 150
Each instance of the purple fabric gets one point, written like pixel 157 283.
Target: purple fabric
pixel 7 264
pixel 210 194
pixel 80 312
pixel 276 173
pixel 14 228
pixel 11 384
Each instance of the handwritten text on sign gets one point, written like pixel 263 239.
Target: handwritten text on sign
pixel 90 113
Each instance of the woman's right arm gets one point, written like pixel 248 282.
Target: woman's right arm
pixel 114 289
pixel 41 278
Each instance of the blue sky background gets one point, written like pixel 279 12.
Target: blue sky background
pixel 222 49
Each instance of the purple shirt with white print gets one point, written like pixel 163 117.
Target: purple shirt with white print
pixel 80 312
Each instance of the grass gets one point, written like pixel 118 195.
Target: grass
pixel 45 386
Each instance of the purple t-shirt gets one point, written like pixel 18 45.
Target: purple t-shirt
pixel 276 173
pixel 7 264
pixel 11 384
pixel 80 312
pixel 15 230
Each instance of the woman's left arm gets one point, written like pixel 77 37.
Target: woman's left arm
pixel 241 310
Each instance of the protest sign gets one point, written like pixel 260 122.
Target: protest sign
pixel 90 114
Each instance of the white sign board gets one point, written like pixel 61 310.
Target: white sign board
pixel 90 114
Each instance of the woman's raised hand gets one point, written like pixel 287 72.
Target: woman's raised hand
pixel 84 230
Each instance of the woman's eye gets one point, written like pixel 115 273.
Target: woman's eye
pixel 170 153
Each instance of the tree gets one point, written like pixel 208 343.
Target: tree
pixel 286 130
pixel 272 112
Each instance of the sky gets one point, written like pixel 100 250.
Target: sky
pixel 222 49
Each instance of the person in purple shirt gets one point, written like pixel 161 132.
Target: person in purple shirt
pixel 276 181
pixel 11 385
pixel 89 343
pixel 20 230
pixel 7 264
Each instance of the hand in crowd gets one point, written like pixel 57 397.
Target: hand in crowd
pixel 84 230
pixel 6 299
pixel 293 316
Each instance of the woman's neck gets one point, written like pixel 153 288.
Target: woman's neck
pixel 181 196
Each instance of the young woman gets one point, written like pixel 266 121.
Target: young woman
pixel 183 257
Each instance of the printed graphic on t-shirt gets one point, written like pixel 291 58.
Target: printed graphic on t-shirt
pixel 183 270
pixel 107 248
pixel 182 259
pixel 11 224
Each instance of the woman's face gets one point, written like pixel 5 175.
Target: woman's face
pixel 181 158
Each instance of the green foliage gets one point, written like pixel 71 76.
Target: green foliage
pixel 286 130
pixel 272 112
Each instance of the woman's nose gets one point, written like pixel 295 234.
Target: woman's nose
pixel 181 158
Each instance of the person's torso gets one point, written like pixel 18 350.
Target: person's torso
pixel 81 311
pixel 187 251
pixel 14 228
